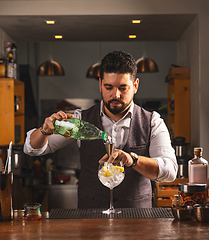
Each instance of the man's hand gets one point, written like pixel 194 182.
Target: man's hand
pixel 48 125
pixel 145 165
pixel 117 156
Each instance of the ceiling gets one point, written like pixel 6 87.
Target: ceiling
pixel 96 27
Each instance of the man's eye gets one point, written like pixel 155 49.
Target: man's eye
pixel 123 89
pixel 108 88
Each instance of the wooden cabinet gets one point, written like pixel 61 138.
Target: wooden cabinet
pixel 178 81
pixel 165 191
pixel 12 111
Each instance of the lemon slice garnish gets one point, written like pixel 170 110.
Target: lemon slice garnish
pixel 108 172
pixel 120 168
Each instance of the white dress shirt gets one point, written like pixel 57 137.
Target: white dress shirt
pixel 160 147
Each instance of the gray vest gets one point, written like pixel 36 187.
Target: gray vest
pixel 135 190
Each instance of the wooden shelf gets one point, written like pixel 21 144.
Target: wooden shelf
pixel 12 119
pixel 166 191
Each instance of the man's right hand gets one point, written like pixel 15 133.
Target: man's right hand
pixel 48 125
pixel 38 138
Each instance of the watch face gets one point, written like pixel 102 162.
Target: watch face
pixel 134 155
pixel 135 159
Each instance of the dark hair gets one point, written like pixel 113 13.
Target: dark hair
pixel 118 62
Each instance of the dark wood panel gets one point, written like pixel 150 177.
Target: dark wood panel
pixel 143 228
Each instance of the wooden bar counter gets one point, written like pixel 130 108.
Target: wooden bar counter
pixel 103 228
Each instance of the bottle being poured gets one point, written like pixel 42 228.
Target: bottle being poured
pixel 78 129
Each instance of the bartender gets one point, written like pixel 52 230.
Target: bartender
pixel 141 138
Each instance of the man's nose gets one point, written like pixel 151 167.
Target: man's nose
pixel 116 93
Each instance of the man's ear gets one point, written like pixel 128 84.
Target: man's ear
pixel 136 85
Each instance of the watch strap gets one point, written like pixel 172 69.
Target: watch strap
pixel 135 158
pixel 43 132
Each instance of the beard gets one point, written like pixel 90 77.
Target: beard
pixel 116 109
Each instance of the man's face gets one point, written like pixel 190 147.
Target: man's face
pixel 117 91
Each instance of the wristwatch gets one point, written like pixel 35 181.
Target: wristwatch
pixel 135 158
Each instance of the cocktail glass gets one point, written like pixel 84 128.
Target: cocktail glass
pixel 111 175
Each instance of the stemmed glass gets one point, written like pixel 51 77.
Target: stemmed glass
pixel 111 175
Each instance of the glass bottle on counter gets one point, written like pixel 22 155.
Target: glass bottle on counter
pixel 198 168
pixel 15 65
pixel 78 129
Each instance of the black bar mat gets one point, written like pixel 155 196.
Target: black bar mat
pixel 97 213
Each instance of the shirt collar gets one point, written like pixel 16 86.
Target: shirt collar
pixel 129 113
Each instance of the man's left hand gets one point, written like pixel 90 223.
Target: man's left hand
pixel 117 156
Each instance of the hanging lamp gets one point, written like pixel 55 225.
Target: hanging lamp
pixel 51 67
pixel 94 70
pixel 145 64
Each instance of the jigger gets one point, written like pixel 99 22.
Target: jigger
pixel 109 147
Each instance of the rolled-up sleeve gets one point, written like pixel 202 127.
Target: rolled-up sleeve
pixel 162 151
pixel 28 148
pixel 54 142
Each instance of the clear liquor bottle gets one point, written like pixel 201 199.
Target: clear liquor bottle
pixel 78 129
pixel 198 168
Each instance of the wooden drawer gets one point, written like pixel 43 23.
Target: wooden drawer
pixel 165 191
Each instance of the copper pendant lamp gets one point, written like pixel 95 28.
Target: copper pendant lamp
pixel 145 64
pixel 51 67
pixel 94 70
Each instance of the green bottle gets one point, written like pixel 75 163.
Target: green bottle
pixel 78 129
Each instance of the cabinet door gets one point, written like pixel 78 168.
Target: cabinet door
pixel 7 127
pixel 12 120
pixel 182 109
pixel 19 120
pixel 179 106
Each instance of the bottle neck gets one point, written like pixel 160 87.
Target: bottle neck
pixel 103 135
pixel 198 156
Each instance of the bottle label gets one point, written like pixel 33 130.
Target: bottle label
pixel 198 173
pixel 10 70
pixel 65 124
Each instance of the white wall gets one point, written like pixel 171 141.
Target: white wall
pixel 77 57
pixel 188 55
pixel 204 77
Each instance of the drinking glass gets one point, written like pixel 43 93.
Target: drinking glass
pixel 111 175
pixel 32 211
